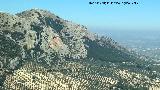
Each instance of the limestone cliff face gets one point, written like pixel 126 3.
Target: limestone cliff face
pixel 39 34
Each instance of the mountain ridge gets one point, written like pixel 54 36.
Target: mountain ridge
pixel 51 45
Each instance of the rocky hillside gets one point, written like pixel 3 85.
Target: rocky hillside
pixel 41 51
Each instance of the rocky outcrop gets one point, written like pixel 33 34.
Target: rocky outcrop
pixel 37 34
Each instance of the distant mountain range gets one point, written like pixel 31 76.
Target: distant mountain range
pixel 41 51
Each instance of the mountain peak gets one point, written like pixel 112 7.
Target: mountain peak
pixel 40 12
pixel 36 44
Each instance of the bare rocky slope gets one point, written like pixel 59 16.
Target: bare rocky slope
pixel 41 51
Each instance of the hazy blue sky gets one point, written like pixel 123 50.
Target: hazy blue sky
pixel 144 16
